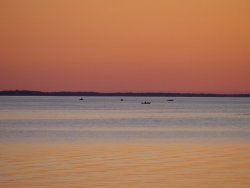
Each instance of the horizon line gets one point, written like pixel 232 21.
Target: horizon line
pixel 18 92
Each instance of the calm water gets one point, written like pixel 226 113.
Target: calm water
pixel 104 142
pixel 68 119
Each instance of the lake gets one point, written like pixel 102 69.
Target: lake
pixel 106 142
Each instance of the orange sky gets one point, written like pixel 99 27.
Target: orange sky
pixel 126 45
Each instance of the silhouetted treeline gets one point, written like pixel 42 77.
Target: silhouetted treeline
pixel 146 94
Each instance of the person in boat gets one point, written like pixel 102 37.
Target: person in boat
pixel 145 102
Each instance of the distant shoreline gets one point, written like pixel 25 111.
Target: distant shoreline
pixel 118 94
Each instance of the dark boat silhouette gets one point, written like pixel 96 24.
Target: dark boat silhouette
pixel 170 100
pixel 145 102
pixel 121 100
pixel 81 99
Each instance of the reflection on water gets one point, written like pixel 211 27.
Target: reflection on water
pixel 53 119
pixel 105 142
pixel 125 165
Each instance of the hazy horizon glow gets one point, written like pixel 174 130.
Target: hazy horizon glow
pixel 125 46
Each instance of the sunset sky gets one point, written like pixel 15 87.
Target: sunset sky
pixel 125 45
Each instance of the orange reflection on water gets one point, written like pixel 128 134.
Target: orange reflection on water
pixel 124 165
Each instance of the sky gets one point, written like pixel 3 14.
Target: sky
pixel 125 45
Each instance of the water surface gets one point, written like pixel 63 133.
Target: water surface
pixel 107 118
pixel 104 142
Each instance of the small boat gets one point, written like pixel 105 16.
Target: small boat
pixel 145 102
pixel 121 100
pixel 170 100
pixel 81 99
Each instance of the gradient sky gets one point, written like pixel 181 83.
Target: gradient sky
pixel 125 45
